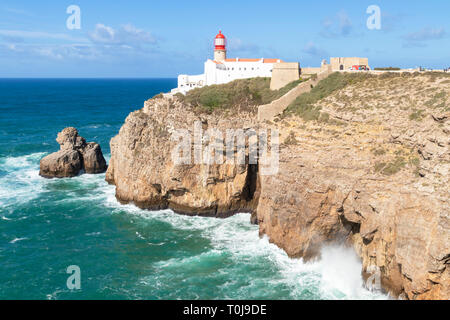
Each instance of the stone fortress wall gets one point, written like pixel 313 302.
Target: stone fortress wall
pixel 271 110
pixel 284 73
pixel 343 64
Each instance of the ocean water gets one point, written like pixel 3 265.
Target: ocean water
pixel 124 252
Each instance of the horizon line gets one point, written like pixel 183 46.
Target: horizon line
pixel 93 78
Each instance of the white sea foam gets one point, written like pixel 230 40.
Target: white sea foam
pixel 22 182
pixel 340 269
pixel 96 126
pixel 18 239
pixel 337 275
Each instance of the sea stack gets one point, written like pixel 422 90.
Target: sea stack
pixel 74 156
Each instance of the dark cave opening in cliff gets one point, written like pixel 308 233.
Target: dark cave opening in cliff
pixel 250 182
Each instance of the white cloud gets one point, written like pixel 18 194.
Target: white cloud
pixel 426 34
pixel 419 38
pixel 314 50
pixel 11 39
pixel 338 26
pixel 53 51
pixel 126 40
pixel 19 12
pixel 125 35
pixel 39 35
pixel 102 34
pixel 238 46
pixel 390 22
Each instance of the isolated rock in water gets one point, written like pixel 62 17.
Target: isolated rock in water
pixel 93 158
pixel 68 138
pixel 74 156
pixel 64 163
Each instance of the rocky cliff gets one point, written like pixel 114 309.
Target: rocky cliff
pixel 367 165
pixel 144 173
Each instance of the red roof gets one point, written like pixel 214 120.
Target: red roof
pixel 220 35
pixel 272 60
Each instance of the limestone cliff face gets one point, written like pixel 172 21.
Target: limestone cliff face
pixel 374 174
pixel 144 173
pixel 327 190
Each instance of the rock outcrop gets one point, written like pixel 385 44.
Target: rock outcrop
pixel 144 173
pixel 74 156
pixel 372 173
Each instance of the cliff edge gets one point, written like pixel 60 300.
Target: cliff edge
pixel 144 172
pixel 363 160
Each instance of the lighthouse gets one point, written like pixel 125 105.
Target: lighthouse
pixel 222 70
pixel 220 51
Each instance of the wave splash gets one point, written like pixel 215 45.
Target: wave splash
pixel 255 267
pixel 19 179
pixel 336 275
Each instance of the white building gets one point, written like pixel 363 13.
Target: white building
pixel 222 70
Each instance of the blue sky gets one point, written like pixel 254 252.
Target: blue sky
pixel 164 38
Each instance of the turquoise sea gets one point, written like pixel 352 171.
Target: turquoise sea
pixel 124 252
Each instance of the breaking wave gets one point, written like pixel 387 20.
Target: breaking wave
pixel 230 260
pixel 19 179
pixel 236 243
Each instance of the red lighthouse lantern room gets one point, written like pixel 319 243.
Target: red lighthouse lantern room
pixel 220 53
pixel 219 41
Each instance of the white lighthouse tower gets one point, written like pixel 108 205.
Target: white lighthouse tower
pixel 220 51
pixel 223 70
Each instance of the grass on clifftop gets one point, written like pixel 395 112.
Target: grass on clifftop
pixel 242 94
pixel 304 105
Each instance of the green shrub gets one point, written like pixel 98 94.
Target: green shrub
pixel 379 152
pixel 387 69
pixel 417 115
pixel 304 105
pixel 379 166
pixel 439 100
pixel 290 139
pixel 390 168
pixel 434 75
pixel 243 93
